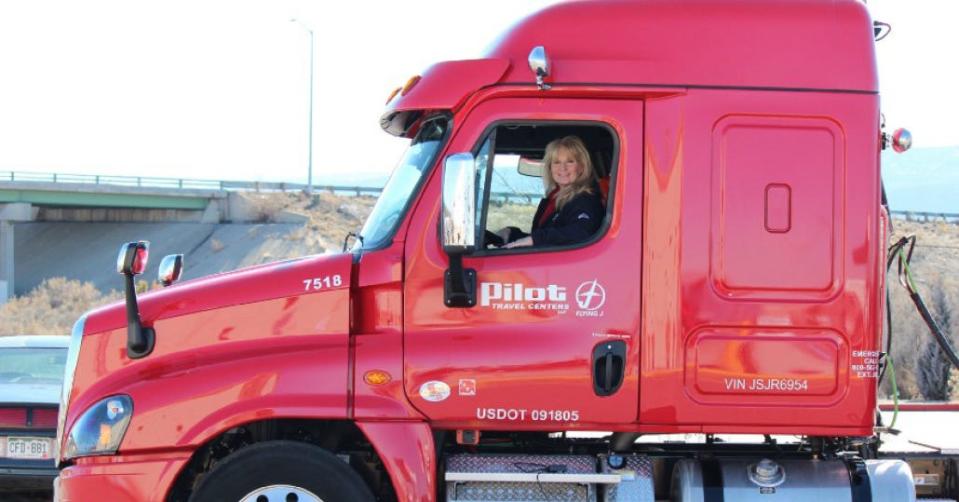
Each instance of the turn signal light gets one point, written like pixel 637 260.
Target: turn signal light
pixel 377 377
pixel 105 437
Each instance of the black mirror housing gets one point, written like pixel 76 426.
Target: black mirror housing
pixel 132 258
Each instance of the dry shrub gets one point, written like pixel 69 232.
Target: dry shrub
pixel 266 206
pixel 333 216
pixel 934 369
pixel 51 308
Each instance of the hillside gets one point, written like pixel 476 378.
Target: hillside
pixel 62 282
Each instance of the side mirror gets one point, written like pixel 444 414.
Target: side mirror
pixel 132 258
pixel 459 206
pixel 171 269
pixel 458 228
pixel 132 261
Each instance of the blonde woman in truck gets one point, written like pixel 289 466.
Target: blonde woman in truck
pixel 572 210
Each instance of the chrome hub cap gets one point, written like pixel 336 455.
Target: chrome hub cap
pixel 281 493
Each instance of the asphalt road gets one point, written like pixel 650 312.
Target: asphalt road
pixel 27 497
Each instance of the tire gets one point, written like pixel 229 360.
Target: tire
pixel 270 471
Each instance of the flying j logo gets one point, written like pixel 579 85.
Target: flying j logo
pixel 590 295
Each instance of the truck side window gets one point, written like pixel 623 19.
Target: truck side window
pixel 513 198
pixel 517 194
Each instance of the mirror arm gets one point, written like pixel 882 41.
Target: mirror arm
pixel 459 284
pixel 140 339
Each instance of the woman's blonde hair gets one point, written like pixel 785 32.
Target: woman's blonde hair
pixel 583 183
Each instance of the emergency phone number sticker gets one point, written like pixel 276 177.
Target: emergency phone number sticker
pixel 865 364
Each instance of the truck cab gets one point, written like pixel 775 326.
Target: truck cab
pixel 733 287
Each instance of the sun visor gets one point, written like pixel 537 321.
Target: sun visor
pixel 443 87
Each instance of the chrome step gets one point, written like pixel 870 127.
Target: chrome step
pixel 534 477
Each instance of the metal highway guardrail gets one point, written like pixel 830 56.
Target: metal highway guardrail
pixel 176 183
pixel 925 216
pixel 224 185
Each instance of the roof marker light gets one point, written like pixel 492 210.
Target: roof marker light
pixel 393 94
pixel 409 84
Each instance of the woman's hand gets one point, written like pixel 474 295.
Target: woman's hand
pixel 525 241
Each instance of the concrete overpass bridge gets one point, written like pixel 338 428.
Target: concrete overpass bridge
pixel 30 197
pixel 57 202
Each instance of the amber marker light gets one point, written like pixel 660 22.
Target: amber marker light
pixel 409 84
pixel 377 377
pixel 106 436
pixel 393 94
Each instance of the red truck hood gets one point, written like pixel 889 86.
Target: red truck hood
pixel 283 279
pixel 228 347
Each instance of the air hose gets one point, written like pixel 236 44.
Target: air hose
pixel 905 278
pixel 898 252
pixel 895 395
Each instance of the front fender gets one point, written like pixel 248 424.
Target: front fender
pixel 409 454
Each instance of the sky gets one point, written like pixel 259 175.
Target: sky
pixel 219 89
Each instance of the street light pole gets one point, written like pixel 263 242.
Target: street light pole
pixel 309 162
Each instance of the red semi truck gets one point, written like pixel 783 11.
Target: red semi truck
pixel 735 288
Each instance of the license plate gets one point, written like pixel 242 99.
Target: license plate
pixel 28 448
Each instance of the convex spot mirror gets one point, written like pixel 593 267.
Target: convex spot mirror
pixel 132 258
pixel 459 204
pixel 171 269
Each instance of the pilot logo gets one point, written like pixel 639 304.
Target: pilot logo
pixel 516 296
pixel 590 297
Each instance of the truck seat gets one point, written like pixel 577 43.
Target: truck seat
pixel 604 188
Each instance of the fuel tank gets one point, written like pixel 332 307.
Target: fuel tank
pixel 766 480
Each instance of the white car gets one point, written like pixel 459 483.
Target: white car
pixel 31 376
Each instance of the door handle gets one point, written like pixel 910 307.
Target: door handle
pixel 609 367
pixel 609 370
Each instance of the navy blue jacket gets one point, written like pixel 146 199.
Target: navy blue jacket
pixel 576 222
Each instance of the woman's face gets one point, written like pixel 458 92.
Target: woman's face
pixel 564 169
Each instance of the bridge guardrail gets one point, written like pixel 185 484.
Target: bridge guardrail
pixel 224 185
pixel 176 183
pixel 925 216
pixel 100 179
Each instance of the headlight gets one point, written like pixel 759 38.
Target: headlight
pixel 100 429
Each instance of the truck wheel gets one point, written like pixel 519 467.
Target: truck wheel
pixel 282 471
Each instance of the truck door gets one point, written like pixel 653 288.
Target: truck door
pixel 553 337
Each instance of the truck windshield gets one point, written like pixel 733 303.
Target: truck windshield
pixel 407 176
